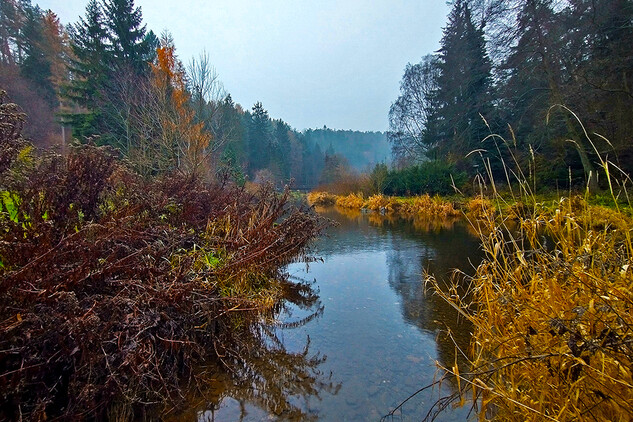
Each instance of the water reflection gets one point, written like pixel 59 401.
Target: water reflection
pixel 265 377
pixel 435 245
pixel 374 322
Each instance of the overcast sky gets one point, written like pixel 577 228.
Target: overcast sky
pixel 311 63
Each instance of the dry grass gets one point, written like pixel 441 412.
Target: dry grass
pixel 478 207
pixel 427 206
pixel 352 200
pixel 423 206
pixel 551 310
pixel 322 199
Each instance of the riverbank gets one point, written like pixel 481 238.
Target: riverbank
pixel 550 306
pixel 417 206
pixel 115 288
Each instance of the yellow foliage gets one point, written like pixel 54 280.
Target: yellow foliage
pixel 478 207
pixel 323 199
pixel 354 201
pixel 376 202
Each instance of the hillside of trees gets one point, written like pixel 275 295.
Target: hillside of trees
pixel 362 150
pixel 108 79
pixel 552 78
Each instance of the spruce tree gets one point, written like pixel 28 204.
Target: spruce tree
pixel 464 85
pixel 127 35
pixel 259 139
pixel 36 66
pixel 90 72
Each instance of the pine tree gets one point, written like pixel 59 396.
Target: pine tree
pixel 259 139
pixel 281 150
pixel 543 70
pixel 36 66
pixel 464 85
pixel 90 72
pixel 127 35
pixel 9 30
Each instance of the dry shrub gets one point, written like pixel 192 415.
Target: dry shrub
pixel 376 202
pixel 322 199
pixel 427 206
pixel 353 200
pixel 478 207
pixel 113 288
pixel 379 202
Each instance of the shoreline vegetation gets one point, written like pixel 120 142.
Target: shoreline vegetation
pixel 597 211
pixel 551 307
pixel 115 289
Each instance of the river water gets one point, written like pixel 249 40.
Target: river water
pixel 375 335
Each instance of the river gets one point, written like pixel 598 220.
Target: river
pixel 375 335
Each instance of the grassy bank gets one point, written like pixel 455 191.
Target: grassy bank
pixel 551 310
pixel 114 287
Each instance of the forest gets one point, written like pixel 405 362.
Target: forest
pixel 109 80
pixel 545 81
pixel 147 219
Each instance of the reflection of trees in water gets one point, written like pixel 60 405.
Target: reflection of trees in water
pixel 438 251
pixel 438 246
pixel 259 370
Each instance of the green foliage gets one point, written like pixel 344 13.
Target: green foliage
pixel 10 205
pixel 431 177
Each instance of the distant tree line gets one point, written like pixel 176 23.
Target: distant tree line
pixel 530 71
pixel 362 150
pixel 109 80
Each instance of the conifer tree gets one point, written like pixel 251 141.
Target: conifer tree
pixel 259 139
pixel 10 22
pixel 36 66
pixel 464 85
pixel 90 71
pixel 127 35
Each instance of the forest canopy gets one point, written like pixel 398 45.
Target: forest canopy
pixel 108 79
pixel 551 77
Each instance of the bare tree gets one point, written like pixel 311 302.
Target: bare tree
pixel 207 94
pixel 411 116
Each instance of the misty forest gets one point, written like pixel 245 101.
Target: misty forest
pixel 167 253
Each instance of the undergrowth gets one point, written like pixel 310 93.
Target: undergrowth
pixel 113 288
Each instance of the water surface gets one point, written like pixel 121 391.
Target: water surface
pixel 376 335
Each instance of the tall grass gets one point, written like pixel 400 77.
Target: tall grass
pixel 550 306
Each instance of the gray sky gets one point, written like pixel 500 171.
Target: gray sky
pixel 311 63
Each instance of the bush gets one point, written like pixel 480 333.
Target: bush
pixel 432 177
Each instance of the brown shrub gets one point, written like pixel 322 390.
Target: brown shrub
pixel 103 297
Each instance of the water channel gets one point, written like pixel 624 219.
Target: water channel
pixel 375 335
